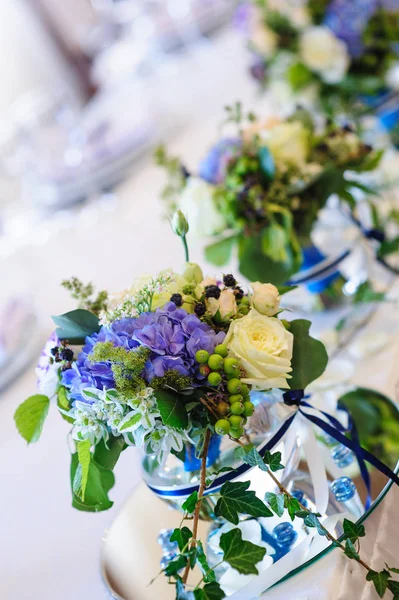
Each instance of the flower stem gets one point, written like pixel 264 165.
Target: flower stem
pixel 185 246
pixel 200 495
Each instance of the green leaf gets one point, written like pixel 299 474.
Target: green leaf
pixel 99 482
pixel 241 555
pixel 208 573
pixel 309 358
pixel 299 76
pixel 266 160
pixel 30 416
pixel 219 252
pixel 172 409
pixel 63 403
pixel 353 531
pixel 181 536
pixel 273 461
pixel 393 587
pixel 276 502
pixel 82 472
pixel 74 326
pixel 250 456
pixel 130 421
pixel 189 504
pixel 284 289
pixel 392 569
pixel 388 247
pixel 107 455
pixel 258 266
pixel 311 520
pixel 235 499
pixel 365 293
pixel 380 580
pixel 176 565
pixel 350 549
pixel 293 507
pixel 210 591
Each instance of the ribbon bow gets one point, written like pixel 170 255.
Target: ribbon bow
pixel 336 430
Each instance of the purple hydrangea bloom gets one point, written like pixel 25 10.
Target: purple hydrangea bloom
pixel 348 20
pixel 213 167
pixel 172 335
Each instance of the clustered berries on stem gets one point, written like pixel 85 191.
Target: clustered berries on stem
pixel 230 399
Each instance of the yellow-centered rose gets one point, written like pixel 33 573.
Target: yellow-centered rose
pixel 265 298
pixel 264 349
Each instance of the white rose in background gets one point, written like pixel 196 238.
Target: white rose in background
pixel 263 39
pixel 265 298
pixel 264 348
pixel 392 76
pixel 198 205
pixel 324 53
pixel 288 142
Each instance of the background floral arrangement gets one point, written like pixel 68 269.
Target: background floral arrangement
pixel 333 50
pixel 261 190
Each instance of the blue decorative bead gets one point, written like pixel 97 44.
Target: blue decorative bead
pixel 167 546
pixel 343 489
pixel 342 456
pixel 285 534
pixel 300 496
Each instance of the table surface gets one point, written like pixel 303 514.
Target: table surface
pixel 49 550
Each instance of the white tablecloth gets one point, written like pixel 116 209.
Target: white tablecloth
pixel 50 551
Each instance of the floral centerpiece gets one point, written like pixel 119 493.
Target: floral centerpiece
pixel 340 52
pixel 259 191
pixel 166 366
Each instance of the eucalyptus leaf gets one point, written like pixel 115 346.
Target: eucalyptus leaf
pixel 76 325
pixel 30 416
pixel 240 554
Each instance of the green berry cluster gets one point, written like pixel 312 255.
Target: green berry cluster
pixel 232 398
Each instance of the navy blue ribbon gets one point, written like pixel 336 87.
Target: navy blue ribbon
pixel 336 430
pixel 379 236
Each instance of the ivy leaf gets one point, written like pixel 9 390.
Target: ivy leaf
pixel 380 580
pixel 273 461
pixel 190 503
pixel 250 456
pixel 208 573
pixel 293 507
pixel 30 416
pixel 82 472
pixel 309 358
pixel 241 555
pixel 235 499
pixel 219 253
pixel 353 531
pixel 181 536
pixel 99 482
pixel 392 569
pixel 210 591
pixel 393 586
pixel 172 409
pixel 175 565
pixel 350 549
pixel 311 520
pixel 75 325
pixel 276 502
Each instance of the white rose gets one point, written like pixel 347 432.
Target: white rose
pixel 288 142
pixel 226 304
pixel 324 53
pixel 264 348
pixel 198 205
pixel 264 40
pixel 392 76
pixel 265 298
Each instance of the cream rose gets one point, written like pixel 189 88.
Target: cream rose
pixel 264 40
pixel 264 348
pixel 226 304
pixel 198 205
pixel 324 53
pixel 265 298
pixel 288 142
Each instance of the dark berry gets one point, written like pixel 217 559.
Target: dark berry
pixel 66 354
pixel 184 172
pixel 54 351
pixel 212 291
pixel 200 309
pixel 177 299
pixel 322 147
pixel 368 148
pixel 238 293
pixel 229 280
pixel 348 128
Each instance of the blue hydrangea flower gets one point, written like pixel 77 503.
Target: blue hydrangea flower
pixel 172 335
pixel 213 167
pixel 348 20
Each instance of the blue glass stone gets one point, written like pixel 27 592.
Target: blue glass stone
pixel 285 534
pixel 343 489
pixel 300 496
pixel 163 540
pixel 342 456
pixel 329 439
